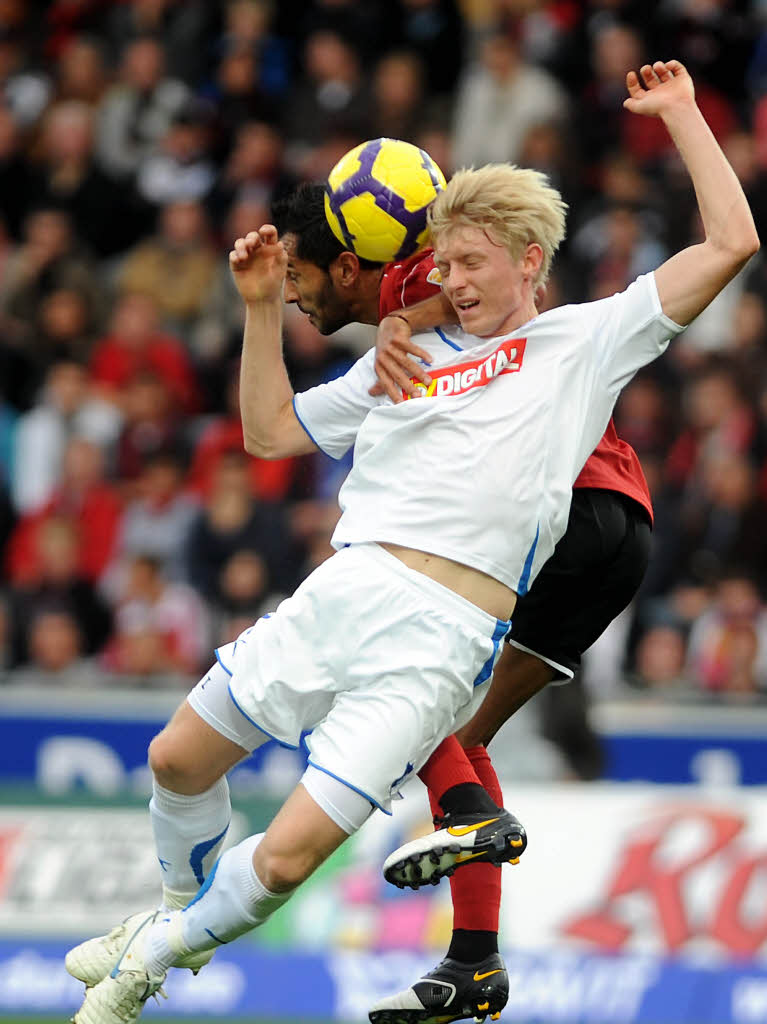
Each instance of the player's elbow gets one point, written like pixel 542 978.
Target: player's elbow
pixel 253 445
pixel 269 431
pixel 741 245
pixel 726 257
pixel 260 445
pixel 753 245
pixel 274 444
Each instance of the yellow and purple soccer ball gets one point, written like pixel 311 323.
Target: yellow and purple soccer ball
pixel 376 198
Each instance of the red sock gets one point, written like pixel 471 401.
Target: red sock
pixel 436 808
pixel 480 761
pixel 447 767
pixel 476 888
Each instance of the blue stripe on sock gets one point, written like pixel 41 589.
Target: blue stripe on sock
pixel 200 851
pixel 204 887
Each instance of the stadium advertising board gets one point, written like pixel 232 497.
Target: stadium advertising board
pixel 632 904
pixel 76 871
pixel 64 742
pixel 553 988
pixel 97 743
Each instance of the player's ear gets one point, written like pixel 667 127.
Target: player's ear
pixel 345 269
pixel 533 258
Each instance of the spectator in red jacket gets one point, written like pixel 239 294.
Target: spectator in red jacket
pixel 87 500
pixel 136 344
pixel 270 480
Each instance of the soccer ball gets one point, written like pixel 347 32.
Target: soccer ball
pixel 376 199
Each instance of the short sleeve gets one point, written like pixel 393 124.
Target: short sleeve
pixel 410 282
pixel 332 413
pixel 629 330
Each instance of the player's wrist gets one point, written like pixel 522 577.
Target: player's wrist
pixel 680 110
pixel 256 302
pixel 397 315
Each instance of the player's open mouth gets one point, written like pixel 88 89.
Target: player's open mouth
pixel 470 304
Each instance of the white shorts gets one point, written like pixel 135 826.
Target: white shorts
pixel 376 660
pixel 211 700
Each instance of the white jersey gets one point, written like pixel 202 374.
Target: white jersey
pixel 480 469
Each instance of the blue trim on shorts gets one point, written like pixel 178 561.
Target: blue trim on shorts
pixel 223 666
pixel 338 778
pixel 282 743
pixel 447 340
pixel 502 627
pixel 311 437
pixel 524 579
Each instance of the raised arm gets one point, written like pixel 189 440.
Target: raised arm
pixel 270 427
pixel 693 277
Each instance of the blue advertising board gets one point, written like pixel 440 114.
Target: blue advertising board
pixel 678 758
pixel 246 982
pixel 98 741
pixel 657 741
pixel 62 742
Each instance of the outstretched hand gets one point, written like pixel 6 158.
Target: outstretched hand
pixel 663 85
pixel 258 263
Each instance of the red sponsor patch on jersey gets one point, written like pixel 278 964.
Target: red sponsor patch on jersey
pixel 475 373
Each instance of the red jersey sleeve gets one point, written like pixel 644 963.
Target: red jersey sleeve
pixel 408 281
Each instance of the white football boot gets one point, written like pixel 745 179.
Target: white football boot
pixel 119 997
pixel 92 960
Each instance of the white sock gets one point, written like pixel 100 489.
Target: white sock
pixel 188 833
pixel 233 901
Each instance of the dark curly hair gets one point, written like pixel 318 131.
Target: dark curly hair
pixel 302 213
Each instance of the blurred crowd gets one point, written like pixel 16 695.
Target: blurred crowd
pixel 138 138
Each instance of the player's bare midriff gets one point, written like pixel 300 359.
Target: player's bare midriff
pixel 487 593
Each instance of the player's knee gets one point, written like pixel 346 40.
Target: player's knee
pixel 171 763
pixel 281 871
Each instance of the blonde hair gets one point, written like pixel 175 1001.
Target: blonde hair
pixel 515 205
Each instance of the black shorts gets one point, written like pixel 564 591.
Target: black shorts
pixel 595 571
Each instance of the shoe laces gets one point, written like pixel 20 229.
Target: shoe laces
pixel 133 985
pixel 114 942
pixel 159 992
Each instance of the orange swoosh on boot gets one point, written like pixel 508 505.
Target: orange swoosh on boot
pixel 464 830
